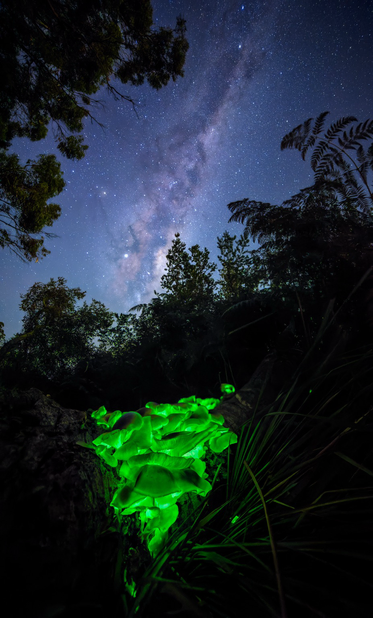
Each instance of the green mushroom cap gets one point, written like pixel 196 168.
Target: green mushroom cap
pixel 127 419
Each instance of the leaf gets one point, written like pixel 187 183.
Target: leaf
pixel 223 562
pixel 360 155
pixel 139 307
pixel 319 123
pixel 310 143
pixel 354 463
pixel 297 137
pixel 81 443
pixel 318 153
pixel 318 126
pixel 369 155
pixel 273 547
pixel 338 126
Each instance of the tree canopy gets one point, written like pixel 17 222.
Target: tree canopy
pixel 189 276
pixel 317 241
pixel 344 173
pixel 54 57
pixel 208 318
pixel 24 206
pixel 56 333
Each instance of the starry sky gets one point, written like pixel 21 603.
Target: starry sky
pixel 254 71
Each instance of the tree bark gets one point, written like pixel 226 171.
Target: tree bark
pixel 54 510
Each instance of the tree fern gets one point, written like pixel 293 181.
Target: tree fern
pixel 318 126
pixel 242 210
pixel 337 127
pixel 331 152
pixel 297 137
pixel 363 160
pixel 319 123
pixel 318 153
pixel 139 307
pixel 370 156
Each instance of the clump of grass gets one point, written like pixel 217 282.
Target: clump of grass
pixel 291 532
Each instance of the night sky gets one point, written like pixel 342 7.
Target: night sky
pixel 254 71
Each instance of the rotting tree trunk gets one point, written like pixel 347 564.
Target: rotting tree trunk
pixel 53 506
pixel 253 399
pixel 239 407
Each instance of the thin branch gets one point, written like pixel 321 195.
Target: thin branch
pixel 118 95
pixel 18 229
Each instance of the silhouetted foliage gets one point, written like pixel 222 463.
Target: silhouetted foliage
pixel 56 333
pixel 189 276
pixel 236 267
pixel 316 245
pixel 54 56
pixel 24 208
pixel 346 174
pixel 208 323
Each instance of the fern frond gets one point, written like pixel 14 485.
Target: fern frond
pixel 317 128
pixel 362 130
pixel 366 126
pixel 139 307
pixel 319 123
pixel 338 185
pixel 338 126
pixel 309 144
pixel 318 153
pixel 351 139
pixel 241 209
pixel 369 156
pixel 351 145
pixel 299 199
pixel 359 196
pixel 363 169
pixel 360 155
pixel 297 137
pixel 325 165
pixel 350 180
pixel 342 164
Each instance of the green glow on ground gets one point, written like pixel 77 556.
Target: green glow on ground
pixel 158 452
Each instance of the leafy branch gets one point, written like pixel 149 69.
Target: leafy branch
pixel 330 160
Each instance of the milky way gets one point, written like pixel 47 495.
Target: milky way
pixel 254 70
pixel 177 165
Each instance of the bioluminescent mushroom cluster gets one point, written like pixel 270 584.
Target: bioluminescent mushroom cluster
pixel 158 452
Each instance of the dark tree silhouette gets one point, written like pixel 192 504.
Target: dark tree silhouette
pixel 54 57
pixel 317 243
pixel 345 173
pixel 24 207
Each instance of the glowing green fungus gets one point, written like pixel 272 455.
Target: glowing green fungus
pixel 158 452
